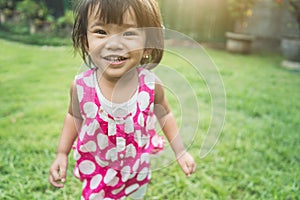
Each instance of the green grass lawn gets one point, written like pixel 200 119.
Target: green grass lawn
pixel 257 155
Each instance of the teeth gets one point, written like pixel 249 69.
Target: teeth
pixel 114 58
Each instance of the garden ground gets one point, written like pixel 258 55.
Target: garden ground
pixel 256 157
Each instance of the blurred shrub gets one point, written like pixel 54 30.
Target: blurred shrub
pixel 31 9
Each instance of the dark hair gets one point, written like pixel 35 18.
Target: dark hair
pixel 111 11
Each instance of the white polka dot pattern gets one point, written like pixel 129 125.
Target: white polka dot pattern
pixel 88 147
pixel 92 128
pixel 102 141
pixel 90 109
pixel 113 154
pixel 87 167
pixel 131 188
pixel 143 100
pixel 79 92
pixel 89 81
pixel 110 175
pixel 142 174
pixel 96 180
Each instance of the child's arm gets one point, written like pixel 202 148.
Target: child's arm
pixel 169 127
pixel 68 135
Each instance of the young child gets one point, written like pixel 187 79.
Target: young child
pixel 114 104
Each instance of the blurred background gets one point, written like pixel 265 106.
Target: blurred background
pixel 257 154
pixel 204 21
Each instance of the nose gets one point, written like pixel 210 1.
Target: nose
pixel 114 42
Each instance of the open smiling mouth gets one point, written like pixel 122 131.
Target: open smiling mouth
pixel 114 58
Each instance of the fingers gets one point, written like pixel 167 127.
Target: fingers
pixel 186 170
pixel 57 173
pixel 57 176
pixel 192 168
pixel 62 173
pixel 189 169
pixel 55 183
pixel 187 164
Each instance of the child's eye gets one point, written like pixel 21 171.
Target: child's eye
pixel 129 33
pixel 101 32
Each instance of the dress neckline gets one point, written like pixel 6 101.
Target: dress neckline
pixel 105 104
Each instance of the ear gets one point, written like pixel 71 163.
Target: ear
pixel 147 53
pixel 146 59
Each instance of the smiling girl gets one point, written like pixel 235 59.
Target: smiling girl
pixel 114 104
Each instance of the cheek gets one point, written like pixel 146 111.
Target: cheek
pixel 94 46
pixel 138 55
pixel 136 44
pixel 93 42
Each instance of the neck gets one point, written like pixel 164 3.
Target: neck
pixel 118 90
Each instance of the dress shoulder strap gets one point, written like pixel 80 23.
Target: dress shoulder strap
pixel 146 89
pixel 85 86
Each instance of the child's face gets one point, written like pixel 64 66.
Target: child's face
pixel 115 49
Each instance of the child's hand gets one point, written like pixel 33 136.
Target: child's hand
pixel 187 163
pixel 57 173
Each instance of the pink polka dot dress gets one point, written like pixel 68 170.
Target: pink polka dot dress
pixel 113 153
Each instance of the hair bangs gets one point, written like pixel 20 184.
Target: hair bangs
pixel 110 12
